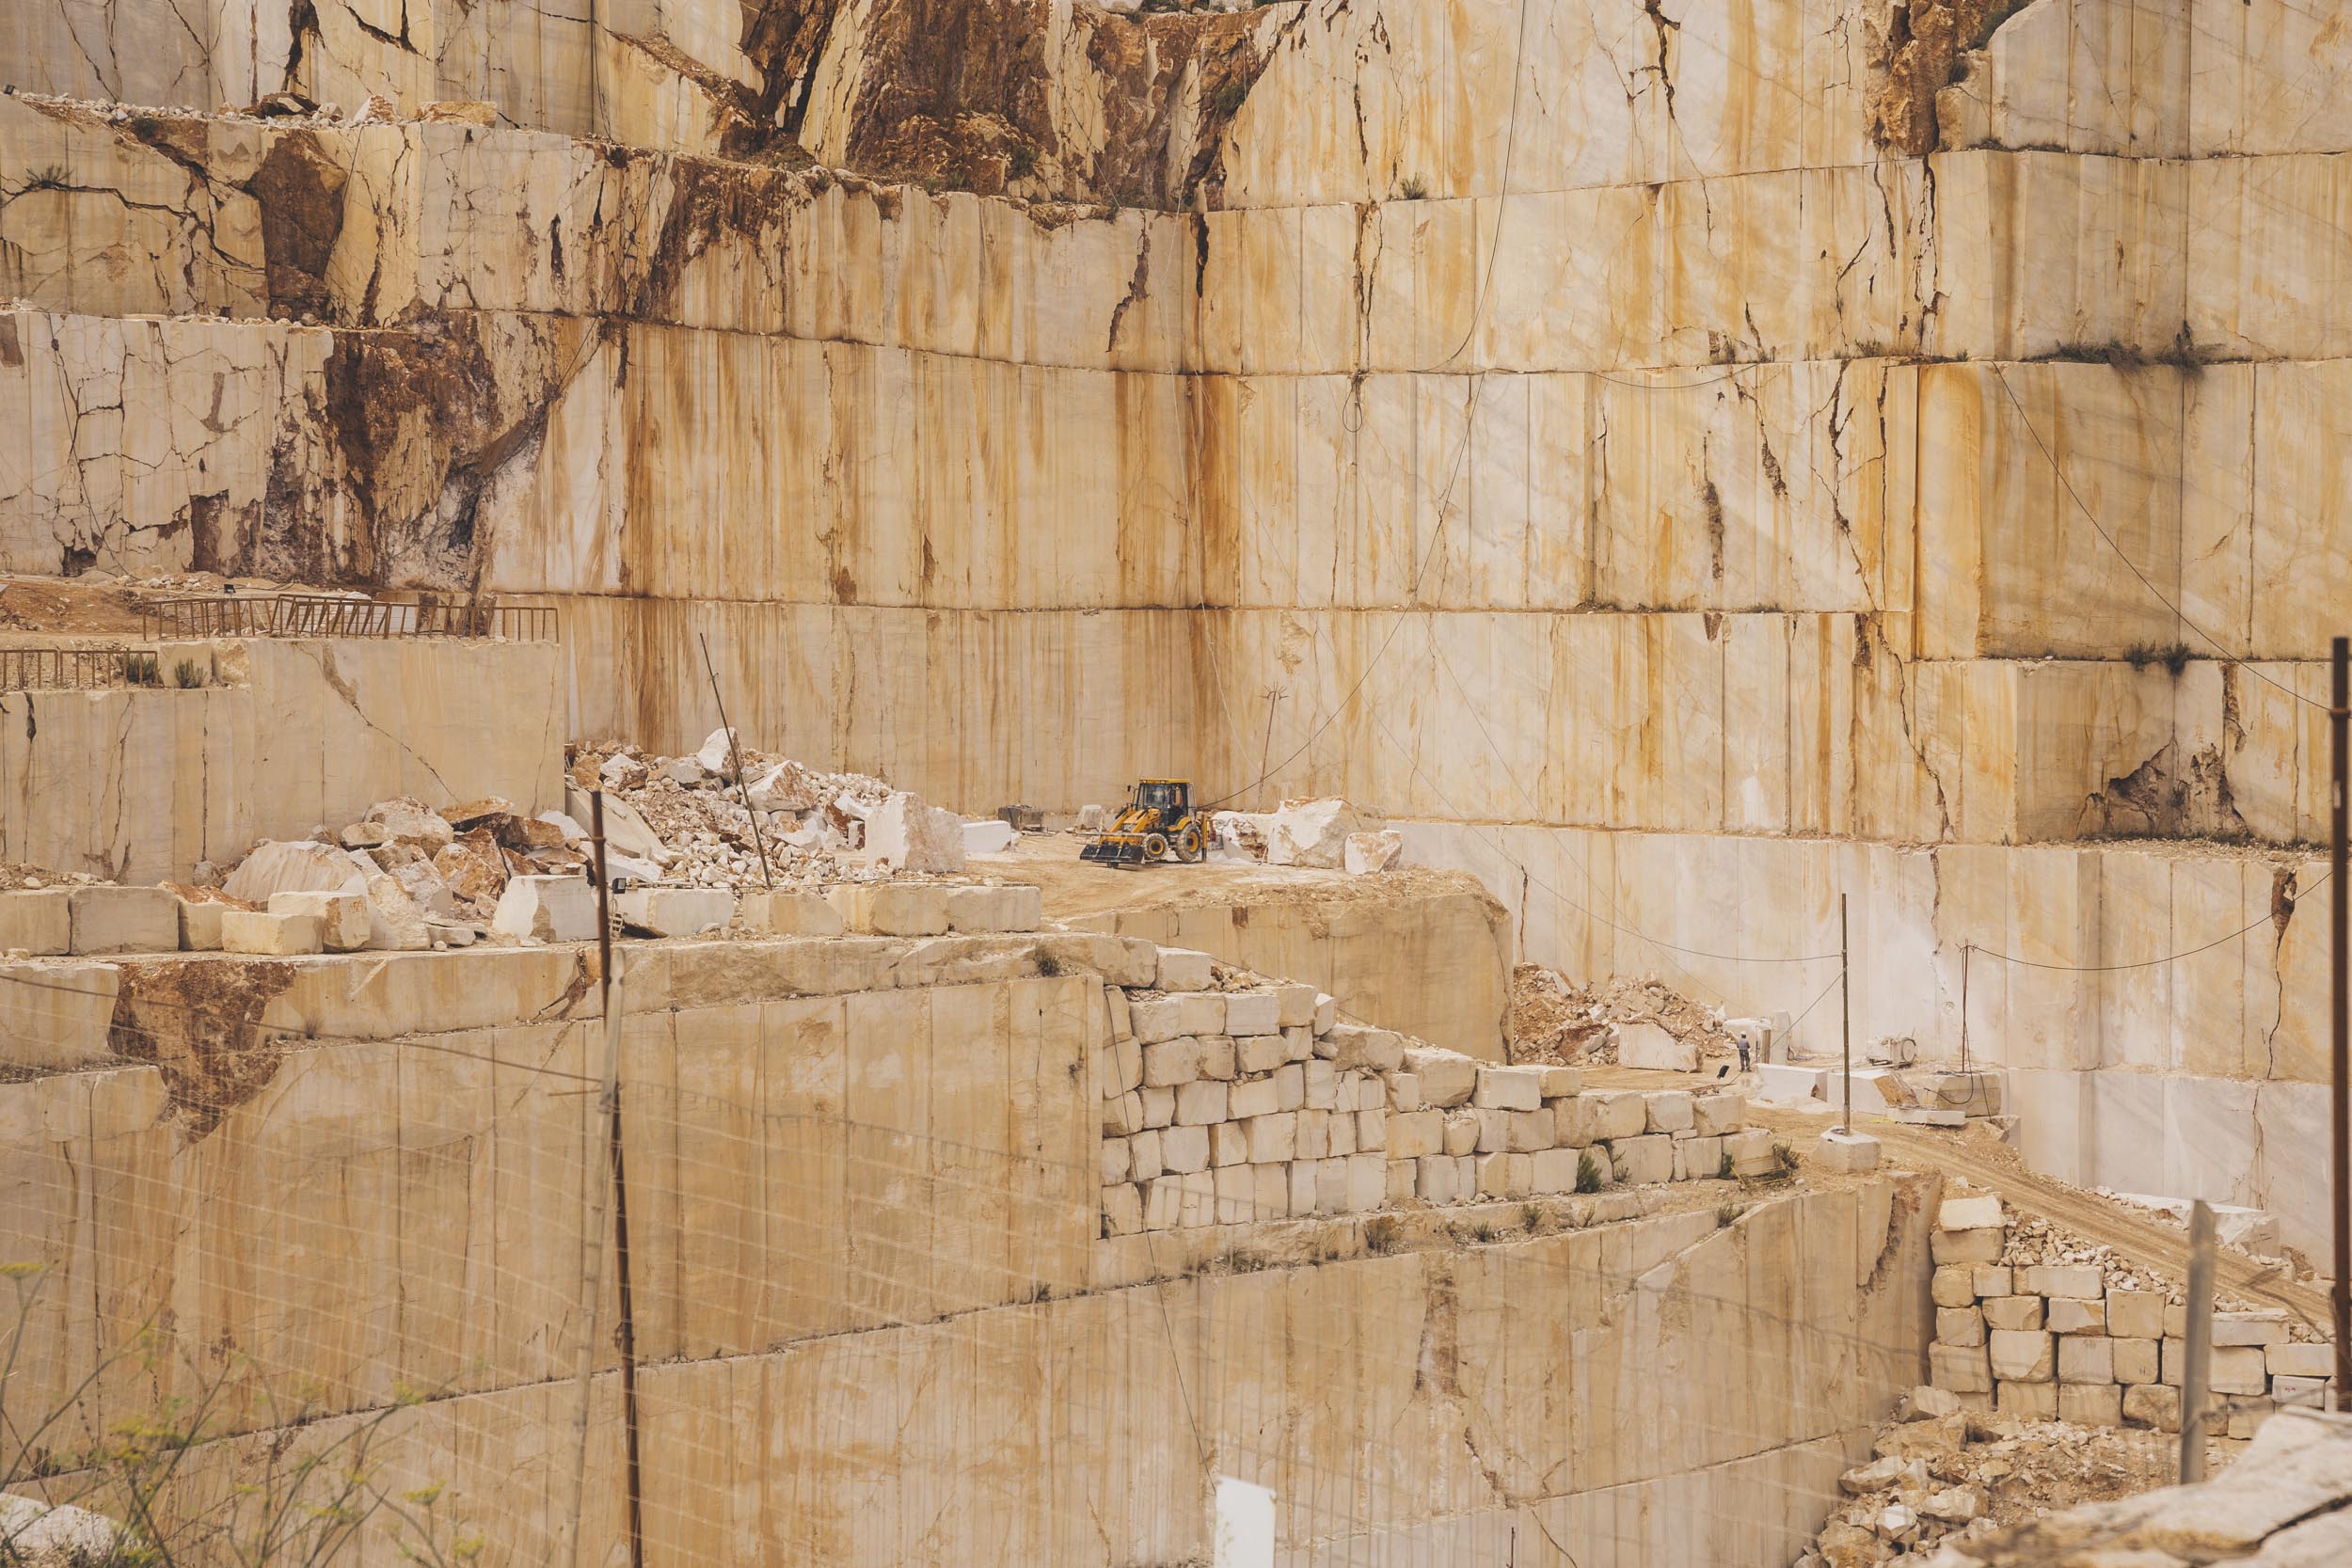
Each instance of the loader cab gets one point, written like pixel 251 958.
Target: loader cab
pixel 1170 798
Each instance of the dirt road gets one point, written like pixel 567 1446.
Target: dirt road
pixel 1077 889
pixel 1984 1161
pixel 2151 1243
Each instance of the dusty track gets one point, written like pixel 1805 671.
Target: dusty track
pixel 1077 889
pixel 1984 1161
pixel 2151 1243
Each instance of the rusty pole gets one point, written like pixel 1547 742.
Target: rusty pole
pixel 595 1189
pixel 1967 953
pixel 736 754
pixel 627 1344
pixel 2197 1347
pixel 620 1192
pixel 1845 1002
pixel 1273 699
pixel 2340 1035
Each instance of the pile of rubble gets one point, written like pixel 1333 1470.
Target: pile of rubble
pixel 15 877
pixel 1326 834
pixel 688 817
pixel 450 876
pixel 2283 1504
pixel 1945 1478
pixel 2035 1243
pixel 1617 1021
pixel 288 109
pixel 429 878
pixel 2032 1242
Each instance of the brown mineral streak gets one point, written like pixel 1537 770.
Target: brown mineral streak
pixel 1914 54
pixel 199 1023
pixel 299 191
pixel 960 95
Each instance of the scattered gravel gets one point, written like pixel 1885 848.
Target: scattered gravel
pixel 1556 1021
pixel 1960 1475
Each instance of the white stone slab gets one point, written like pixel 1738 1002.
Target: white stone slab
pixel 1781 1083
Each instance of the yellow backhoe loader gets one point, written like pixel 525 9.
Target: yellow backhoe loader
pixel 1157 824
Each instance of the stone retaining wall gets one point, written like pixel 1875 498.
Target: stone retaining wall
pixel 1225 1106
pixel 1374 955
pixel 2061 1341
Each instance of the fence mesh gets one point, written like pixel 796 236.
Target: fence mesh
pixel 874 1317
pixel 76 669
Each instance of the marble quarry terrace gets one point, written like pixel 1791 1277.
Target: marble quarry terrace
pixel 574 581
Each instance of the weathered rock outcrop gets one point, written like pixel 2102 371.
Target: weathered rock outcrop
pixel 1683 468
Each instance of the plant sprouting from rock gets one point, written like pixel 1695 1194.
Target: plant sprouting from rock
pixel 288 1484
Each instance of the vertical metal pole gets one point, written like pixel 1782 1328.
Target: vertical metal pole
pixel 2340 1035
pixel 1273 699
pixel 1845 1000
pixel 599 1187
pixel 1966 953
pixel 609 1183
pixel 736 753
pixel 620 1188
pixel 628 1344
pixel 2197 1347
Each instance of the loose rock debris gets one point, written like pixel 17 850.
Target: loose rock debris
pixel 434 877
pixel 1555 1020
pixel 812 824
pixel 1942 1475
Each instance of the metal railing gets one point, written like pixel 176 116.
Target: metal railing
pixel 305 615
pixel 77 669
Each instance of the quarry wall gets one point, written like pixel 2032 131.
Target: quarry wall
pixel 140 784
pixel 1695 465
pixel 878 1317
pixel 1376 960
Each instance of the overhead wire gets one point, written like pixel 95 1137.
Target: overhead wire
pixel 1495 751
pixel 2291 900
pixel 2155 593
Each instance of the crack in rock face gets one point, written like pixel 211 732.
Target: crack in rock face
pixel 1913 51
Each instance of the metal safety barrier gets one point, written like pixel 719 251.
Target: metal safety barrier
pixel 305 615
pixel 77 669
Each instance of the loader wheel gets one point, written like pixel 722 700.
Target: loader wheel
pixel 1188 843
pixel 1156 846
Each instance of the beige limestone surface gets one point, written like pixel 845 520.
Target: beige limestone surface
pixel 1412 1374
pixel 800 1167
pixel 1377 959
pixel 142 784
pixel 865 1164
pixel 1695 490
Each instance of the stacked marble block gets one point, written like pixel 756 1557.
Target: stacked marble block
pixel 1230 1106
pixel 2058 1341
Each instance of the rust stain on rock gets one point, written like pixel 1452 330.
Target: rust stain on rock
pixel 299 192
pixel 423 422
pixel 712 201
pixel 199 1021
pixel 783 39
pixel 1913 51
pixel 962 96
